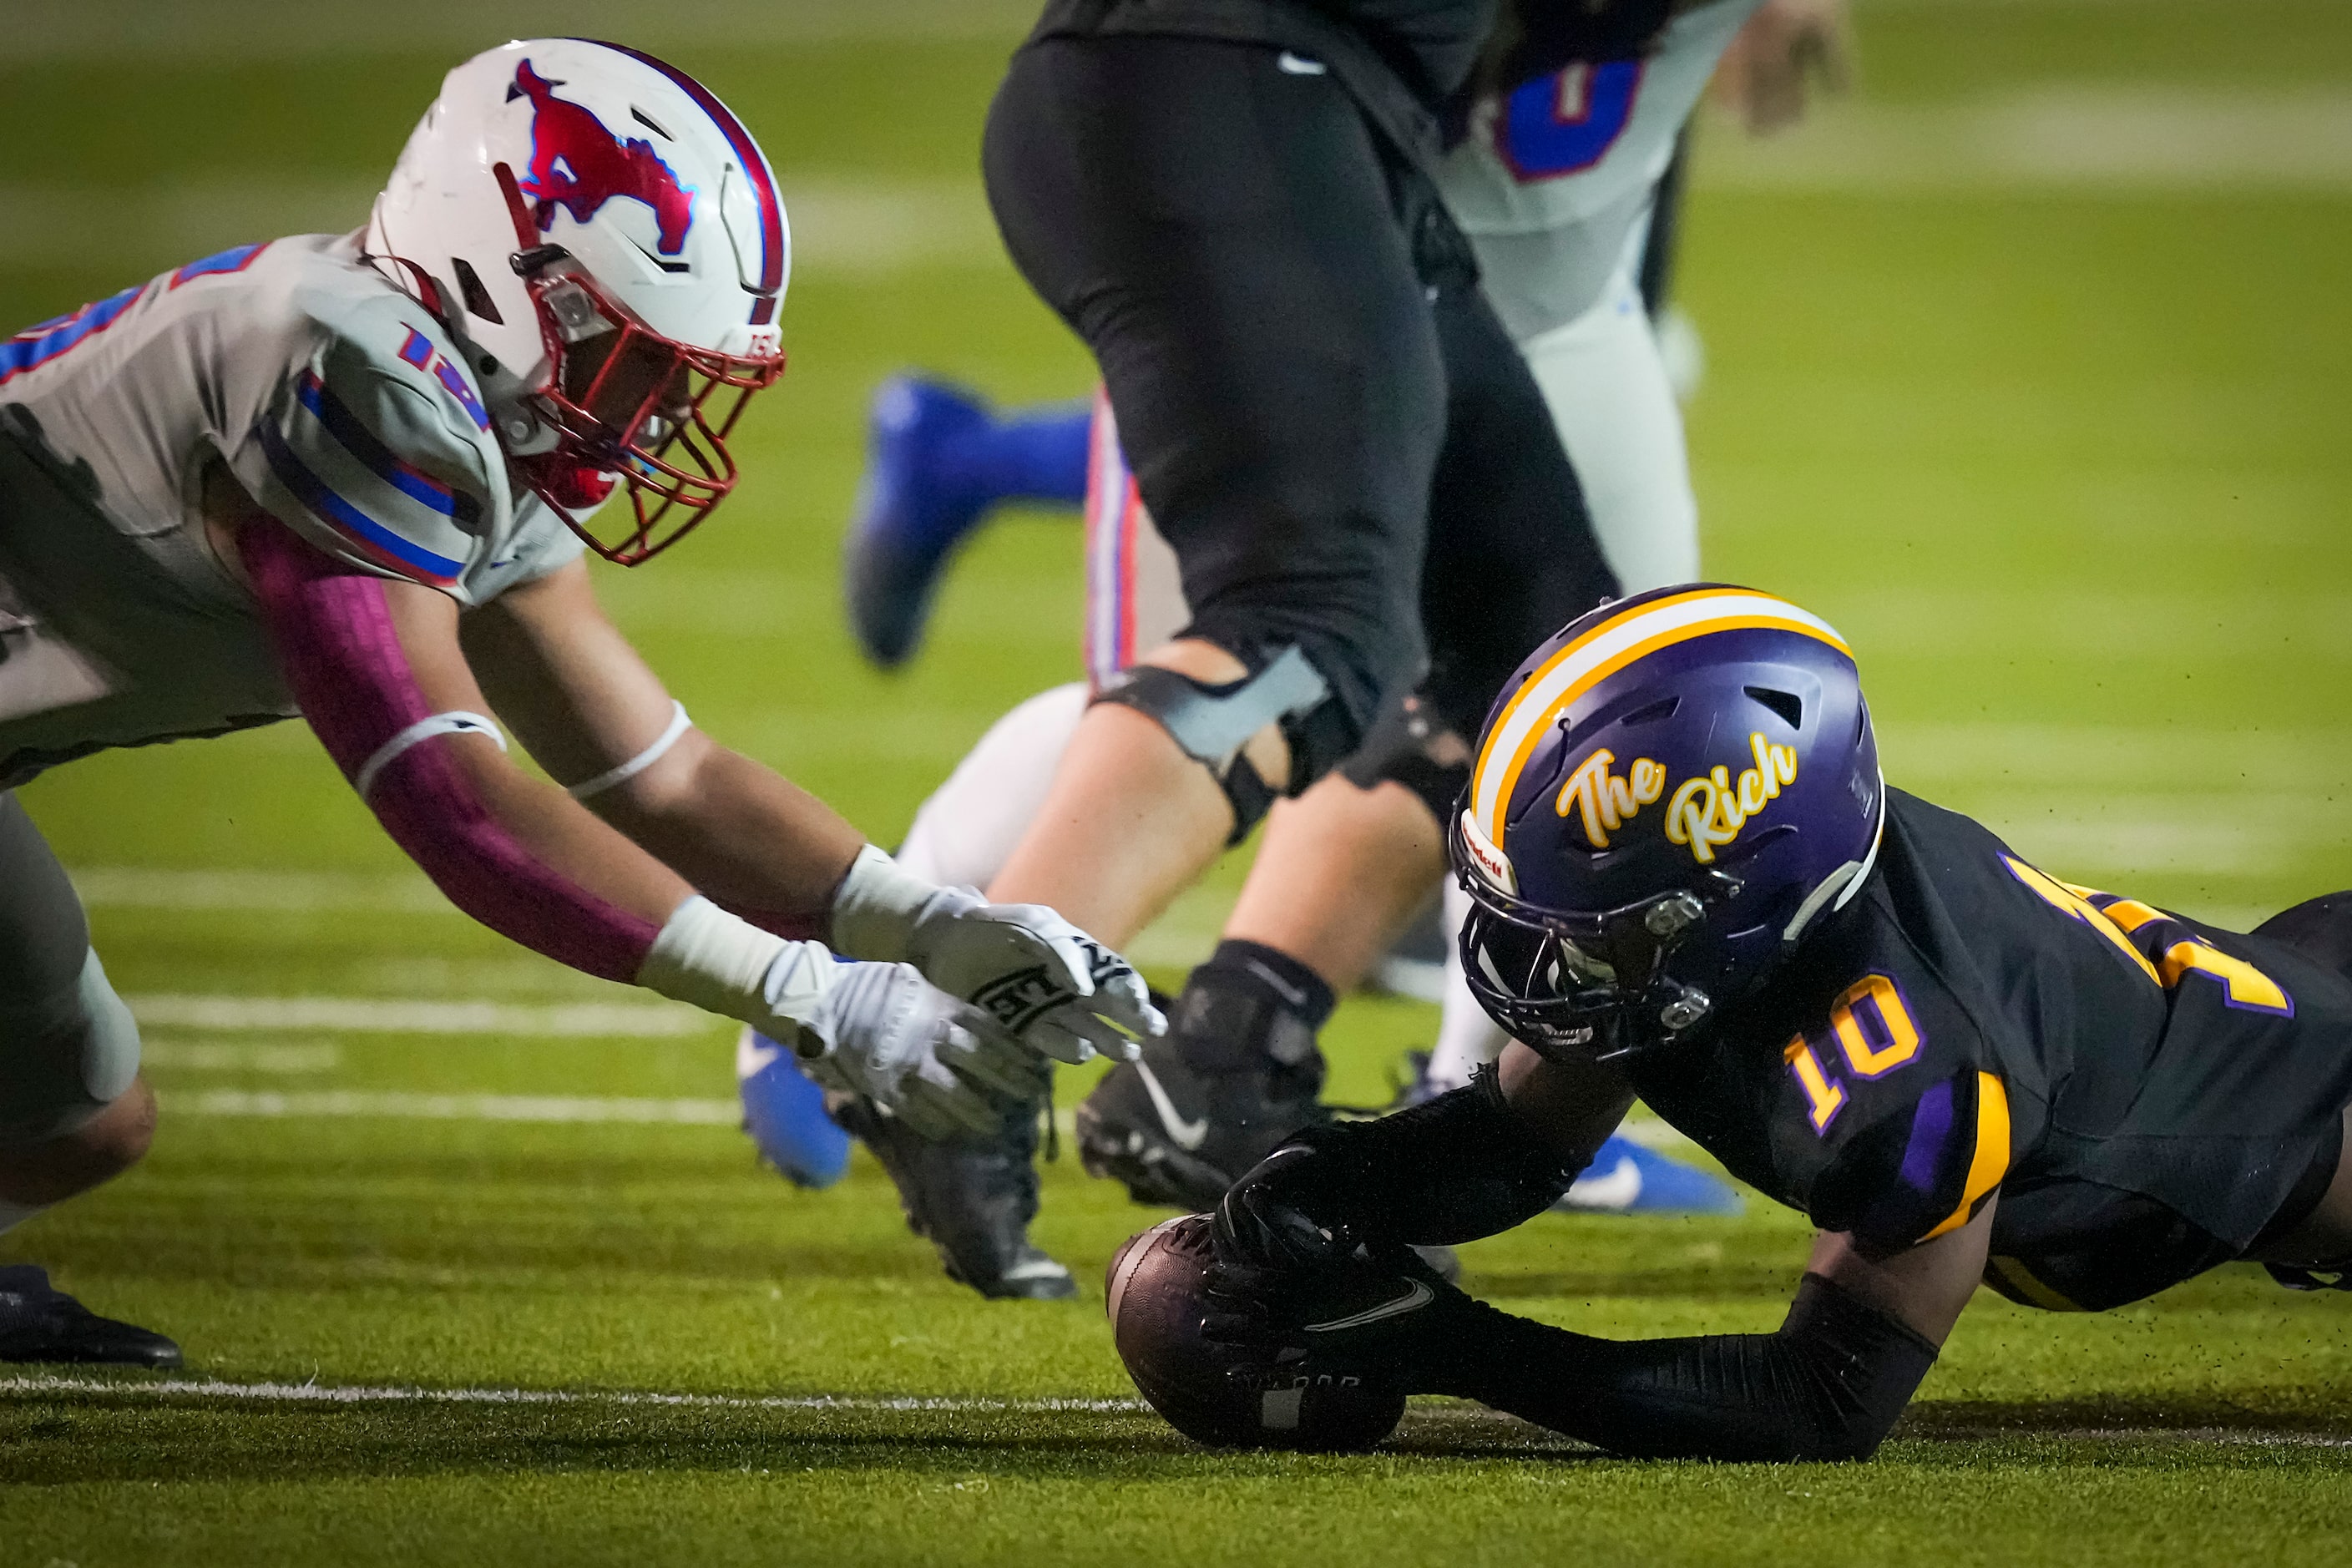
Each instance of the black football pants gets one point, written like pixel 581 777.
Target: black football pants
pixel 1289 330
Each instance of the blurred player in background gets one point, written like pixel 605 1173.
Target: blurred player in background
pixel 1568 189
pixel 353 477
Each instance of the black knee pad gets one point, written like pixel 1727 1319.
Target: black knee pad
pixel 1404 746
pixel 1212 723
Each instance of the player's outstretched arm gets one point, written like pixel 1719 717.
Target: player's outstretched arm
pixel 1828 1385
pixel 377 669
pixel 598 720
pixel 1473 1162
pixel 1864 1328
pixel 586 706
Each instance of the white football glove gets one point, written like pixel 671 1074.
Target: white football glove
pixel 875 1029
pixel 885 1032
pixel 1044 981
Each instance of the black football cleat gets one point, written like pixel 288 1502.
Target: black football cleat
pixel 40 1323
pixel 1176 1136
pixel 971 1198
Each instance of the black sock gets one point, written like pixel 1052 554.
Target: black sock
pixel 1248 1005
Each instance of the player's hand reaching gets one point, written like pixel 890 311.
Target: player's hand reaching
pixel 1041 979
pixel 1380 1313
pixel 1784 51
pixel 882 1031
pixel 1291 1210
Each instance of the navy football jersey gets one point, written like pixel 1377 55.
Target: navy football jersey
pixel 2143 1090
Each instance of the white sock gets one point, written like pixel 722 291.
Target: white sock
pixel 14 1215
pixel 1467 1037
pixel 967 830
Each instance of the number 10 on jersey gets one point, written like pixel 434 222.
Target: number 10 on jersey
pixel 1871 1027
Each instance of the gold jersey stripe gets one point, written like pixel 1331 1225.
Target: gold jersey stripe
pixel 2009 1271
pixel 1990 1161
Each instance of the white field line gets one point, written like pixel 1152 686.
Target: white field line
pixel 688 30
pixel 2229 1436
pixel 287 1061
pixel 2146 758
pixel 260 892
pixel 2067 136
pixel 318 1394
pixel 397 1106
pixel 849 226
pixel 391 1015
pixel 160 1389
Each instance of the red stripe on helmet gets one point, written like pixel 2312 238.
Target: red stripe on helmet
pixel 747 152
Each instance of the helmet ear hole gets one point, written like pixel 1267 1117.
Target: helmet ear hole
pixel 1652 712
pixel 477 297
pixel 1752 845
pixel 1787 704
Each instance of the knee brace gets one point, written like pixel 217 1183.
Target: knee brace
pixel 64 1058
pixel 1212 723
pixel 1408 744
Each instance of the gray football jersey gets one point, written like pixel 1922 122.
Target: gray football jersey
pixel 1553 185
pixel 335 399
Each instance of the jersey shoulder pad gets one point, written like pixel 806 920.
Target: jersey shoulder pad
pixel 1891 1097
pixel 376 449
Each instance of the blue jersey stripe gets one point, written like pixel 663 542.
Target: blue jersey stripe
pixel 313 492
pixel 236 258
pixel 371 454
pixel 36 346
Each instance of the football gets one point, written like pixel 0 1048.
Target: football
pixel 1158 1293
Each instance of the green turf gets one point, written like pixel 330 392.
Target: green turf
pixel 2068 467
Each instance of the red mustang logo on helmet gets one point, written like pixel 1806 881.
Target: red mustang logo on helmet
pixel 577 165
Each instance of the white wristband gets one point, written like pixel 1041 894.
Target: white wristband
pixel 725 964
pixel 457 721
pixel 678 725
pixel 874 913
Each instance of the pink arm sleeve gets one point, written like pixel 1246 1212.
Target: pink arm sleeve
pixel 342 659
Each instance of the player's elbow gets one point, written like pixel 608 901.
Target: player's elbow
pixel 672 786
pixel 1762 1437
pixel 1848 1442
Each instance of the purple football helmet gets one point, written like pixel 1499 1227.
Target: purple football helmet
pixel 1667 796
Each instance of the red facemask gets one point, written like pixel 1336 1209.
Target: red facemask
pixel 632 409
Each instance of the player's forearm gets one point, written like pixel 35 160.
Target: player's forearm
pixel 1828 1386
pixel 745 837
pixel 510 851
pixel 1453 1169
pixel 540 871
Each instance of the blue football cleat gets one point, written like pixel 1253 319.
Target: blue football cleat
pixel 1627 1178
pixel 937 459
pixel 910 513
pixel 786 1115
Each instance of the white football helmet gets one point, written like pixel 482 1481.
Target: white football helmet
pixel 605 239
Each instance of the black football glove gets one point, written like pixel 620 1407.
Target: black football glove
pixel 1295 1209
pixel 1380 1315
pixel 1450 1170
